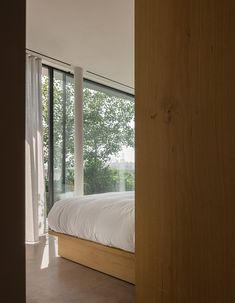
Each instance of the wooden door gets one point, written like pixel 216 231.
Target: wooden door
pixel 185 151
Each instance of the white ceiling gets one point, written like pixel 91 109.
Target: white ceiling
pixel 95 34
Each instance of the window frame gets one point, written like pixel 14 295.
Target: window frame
pixel 88 83
pixel 65 74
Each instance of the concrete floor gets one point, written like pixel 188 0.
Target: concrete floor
pixel 51 279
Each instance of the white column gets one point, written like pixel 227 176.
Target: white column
pixel 78 140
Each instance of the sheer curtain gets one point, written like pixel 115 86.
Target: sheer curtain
pixel 35 188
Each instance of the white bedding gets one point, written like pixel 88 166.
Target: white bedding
pixel 104 218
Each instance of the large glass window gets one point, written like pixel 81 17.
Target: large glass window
pixel 108 139
pixel 108 135
pixel 58 130
pixel 63 133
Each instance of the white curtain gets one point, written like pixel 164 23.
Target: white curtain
pixel 35 188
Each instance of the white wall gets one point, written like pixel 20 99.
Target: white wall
pixel 95 34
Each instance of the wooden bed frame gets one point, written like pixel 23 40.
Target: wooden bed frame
pixel 112 261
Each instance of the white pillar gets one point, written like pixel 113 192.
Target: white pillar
pixel 78 140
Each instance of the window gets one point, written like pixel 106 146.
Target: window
pixel 108 136
pixel 108 139
pixel 58 132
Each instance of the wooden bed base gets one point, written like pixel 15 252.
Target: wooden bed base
pixel 112 261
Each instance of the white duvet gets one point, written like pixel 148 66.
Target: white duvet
pixel 104 218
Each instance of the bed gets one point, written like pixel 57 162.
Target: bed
pixel 97 231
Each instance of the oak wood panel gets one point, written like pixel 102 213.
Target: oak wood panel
pixel 112 261
pixel 185 151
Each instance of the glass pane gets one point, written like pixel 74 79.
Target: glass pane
pixel 45 124
pixel 108 141
pixel 58 109
pixel 69 135
pixel 108 137
pixel 63 111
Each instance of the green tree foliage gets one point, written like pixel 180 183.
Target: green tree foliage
pixel 45 119
pixel 108 127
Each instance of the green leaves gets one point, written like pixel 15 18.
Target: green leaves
pixel 108 127
pixel 108 124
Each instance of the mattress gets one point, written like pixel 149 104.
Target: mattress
pixel 107 219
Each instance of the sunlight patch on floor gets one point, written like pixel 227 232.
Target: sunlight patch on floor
pixel 50 251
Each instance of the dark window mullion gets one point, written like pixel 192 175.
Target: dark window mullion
pixel 51 138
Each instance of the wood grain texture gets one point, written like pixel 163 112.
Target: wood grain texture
pixel 185 151
pixel 112 261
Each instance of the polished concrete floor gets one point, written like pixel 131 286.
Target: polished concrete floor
pixel 50 279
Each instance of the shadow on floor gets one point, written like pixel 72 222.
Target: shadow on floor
pixel 50 279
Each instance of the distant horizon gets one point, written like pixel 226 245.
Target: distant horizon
pixel 127 154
